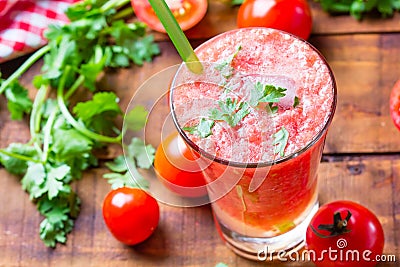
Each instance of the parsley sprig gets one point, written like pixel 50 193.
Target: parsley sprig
pixel 64 137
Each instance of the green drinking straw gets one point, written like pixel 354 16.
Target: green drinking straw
pixel 177 36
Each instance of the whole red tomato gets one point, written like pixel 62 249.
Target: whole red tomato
pixel 188 13
pixel 177 169
pixel 345 234
pixel 130 214
pixel 395 104
pixel 292 16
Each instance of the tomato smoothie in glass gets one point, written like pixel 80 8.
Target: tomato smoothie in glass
pixel 259 154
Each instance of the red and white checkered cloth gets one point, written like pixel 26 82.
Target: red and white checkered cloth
pixel 23 22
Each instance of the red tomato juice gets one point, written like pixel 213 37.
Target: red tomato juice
pixel 233 156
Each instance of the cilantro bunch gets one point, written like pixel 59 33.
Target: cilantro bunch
pixel 64 137
pixel 358 8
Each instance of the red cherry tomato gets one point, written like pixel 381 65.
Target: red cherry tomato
pixel 130 214
pixel 177 169
pixel 293 16
pixel 188 13
pixel 395 104
pixel 361 243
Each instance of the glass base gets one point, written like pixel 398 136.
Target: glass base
pixel 268 248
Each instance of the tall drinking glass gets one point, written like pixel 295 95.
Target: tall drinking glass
pixel 257 118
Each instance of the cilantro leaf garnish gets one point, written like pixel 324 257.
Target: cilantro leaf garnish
pixel 202 129
pixel 230 111
pixel 225 66
pixel 265 94
pixel 280 141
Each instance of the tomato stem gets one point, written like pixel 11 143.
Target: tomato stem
pixel 338 227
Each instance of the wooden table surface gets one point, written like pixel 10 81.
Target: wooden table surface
pixel 361 159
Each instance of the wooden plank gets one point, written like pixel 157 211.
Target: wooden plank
pixel 185 236
pixel 365 70
pixel 221 17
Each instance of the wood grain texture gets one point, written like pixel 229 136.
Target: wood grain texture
pixel 185 236
pixel 365 58
pixel 366 68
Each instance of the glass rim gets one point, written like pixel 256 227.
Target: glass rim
pixel 259 164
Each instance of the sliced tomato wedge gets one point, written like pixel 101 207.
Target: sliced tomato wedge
pixel 188 13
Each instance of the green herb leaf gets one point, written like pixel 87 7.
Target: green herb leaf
pixel 117 165
pixel 225 66
pixel 281 138
pixel 69 144
pixel 230 111
pixel 136 118
pixel 74 149
pixel 11 160
pixel 267 93
pixel 130 43
pixel 236 2
pixel 99 112
pixel 59 214
pixel 202 129
pixel 137 154
pixel 54 182
pixel 18 101
pixel 33 179
pixel 118 180
pixel 142 153
pixel 358 9
pixel 94 67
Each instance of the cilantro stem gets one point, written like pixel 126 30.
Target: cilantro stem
pixel 18 156
pixel 47 134
pixel 36 116
pixel 75 86
pixel 24 67
pixel 126 12
pixel 71 120
pixel 113 4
